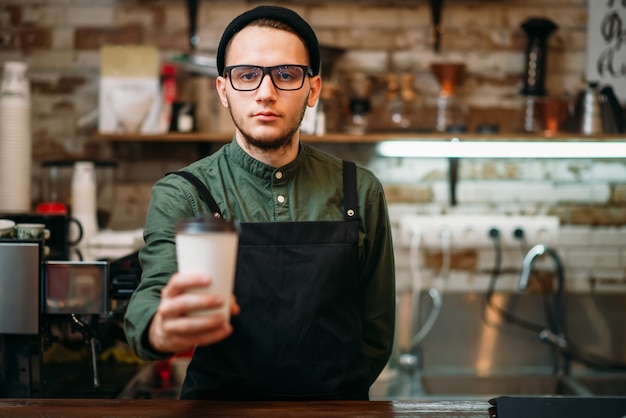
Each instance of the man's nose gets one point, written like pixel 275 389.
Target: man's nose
pixel 267 85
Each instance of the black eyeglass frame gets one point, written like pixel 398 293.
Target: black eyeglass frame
pixel 268 71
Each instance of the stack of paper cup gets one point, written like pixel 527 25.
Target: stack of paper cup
pixel 15 139
pixel 84 208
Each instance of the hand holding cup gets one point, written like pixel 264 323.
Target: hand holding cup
pixel 208 246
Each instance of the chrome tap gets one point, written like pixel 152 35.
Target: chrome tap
pixel 533 253
pixel 527 265
pixel 531 256
pixel 555 335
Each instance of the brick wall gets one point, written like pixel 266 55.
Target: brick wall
pixel 60 41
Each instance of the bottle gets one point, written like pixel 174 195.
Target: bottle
pixel 359 116
pixel 393 117
pixel 411 102
pixel 359 104
pixel 330 107
pixel 168 94
pixel 320 118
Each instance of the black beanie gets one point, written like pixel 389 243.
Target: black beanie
pixel 282 14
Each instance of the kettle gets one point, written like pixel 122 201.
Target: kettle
pixel 594 113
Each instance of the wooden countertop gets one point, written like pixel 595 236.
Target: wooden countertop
pixel 154 408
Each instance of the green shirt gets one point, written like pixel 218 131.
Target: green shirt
pixel 247 190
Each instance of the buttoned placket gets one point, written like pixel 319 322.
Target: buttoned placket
pixel 279 193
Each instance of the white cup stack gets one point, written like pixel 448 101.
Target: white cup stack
pixel 15 139
pixel 84 203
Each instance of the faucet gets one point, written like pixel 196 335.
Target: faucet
pixel 533 253
pixel 555 335
pixel 531 256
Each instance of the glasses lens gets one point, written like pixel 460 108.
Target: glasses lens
pixel 288 77
pixel 246 77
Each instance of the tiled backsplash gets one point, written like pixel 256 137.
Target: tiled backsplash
pixel 593 257
pixel 587 197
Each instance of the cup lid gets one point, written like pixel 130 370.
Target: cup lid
pixel 205 223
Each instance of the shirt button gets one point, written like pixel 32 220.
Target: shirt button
pixel 279 175
pixel 281 199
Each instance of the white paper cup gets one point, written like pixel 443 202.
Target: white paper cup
pixel 209 246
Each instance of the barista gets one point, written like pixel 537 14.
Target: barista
pixel 315 273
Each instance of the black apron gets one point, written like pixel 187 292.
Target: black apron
pixel 299 334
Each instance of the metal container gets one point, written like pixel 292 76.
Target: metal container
pixel 19 281
pixel 595 112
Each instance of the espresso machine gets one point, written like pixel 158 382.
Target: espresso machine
pixel 40 299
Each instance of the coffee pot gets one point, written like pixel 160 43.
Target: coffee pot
pixel 594 113
pixel 449 111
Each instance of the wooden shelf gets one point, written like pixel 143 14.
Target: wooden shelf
pixel 340 138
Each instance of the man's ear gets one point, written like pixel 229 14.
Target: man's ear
pixel 314 91
pixel 220 86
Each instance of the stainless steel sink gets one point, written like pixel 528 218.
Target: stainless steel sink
pixel 476 353
pixel 463 386
pixel 490 385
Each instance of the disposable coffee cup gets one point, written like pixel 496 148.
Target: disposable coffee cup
pixel 208 245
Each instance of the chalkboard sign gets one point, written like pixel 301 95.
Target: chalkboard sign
pixel 606 44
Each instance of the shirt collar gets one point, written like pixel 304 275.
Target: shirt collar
pixel 260 169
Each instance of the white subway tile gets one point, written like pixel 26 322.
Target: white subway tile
pixel 608 275
pixel 607 236
pixel 503 191
pixel 594 258
pixel 609 171
pixel 588 193
pixel 574 235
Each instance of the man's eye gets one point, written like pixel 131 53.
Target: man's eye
pixel 286 75
pixel 248 76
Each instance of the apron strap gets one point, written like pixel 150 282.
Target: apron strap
pixel 205 195
pixel 349 190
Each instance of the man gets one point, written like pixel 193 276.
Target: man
pixel 315 310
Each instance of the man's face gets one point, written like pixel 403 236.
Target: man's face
pixel 267 118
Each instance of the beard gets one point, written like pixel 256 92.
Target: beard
pixel 282 140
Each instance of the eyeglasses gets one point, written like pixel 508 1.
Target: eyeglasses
pixel 284 77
